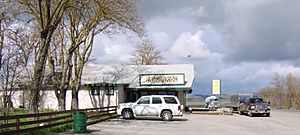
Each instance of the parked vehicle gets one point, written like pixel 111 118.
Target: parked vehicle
pixel 255 106
pixel 237 99
pixel 212 102
pixel 164 106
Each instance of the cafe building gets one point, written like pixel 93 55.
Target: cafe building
pixel 110 85
pixel 127 83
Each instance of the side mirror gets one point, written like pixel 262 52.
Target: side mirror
pixel 269 102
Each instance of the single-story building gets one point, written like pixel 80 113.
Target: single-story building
pixel 109 85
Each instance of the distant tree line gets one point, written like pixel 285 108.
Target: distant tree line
pixel 284 92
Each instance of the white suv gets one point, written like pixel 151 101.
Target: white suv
pixel 164 106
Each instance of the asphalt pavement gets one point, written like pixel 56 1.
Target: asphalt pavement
pixel 281 122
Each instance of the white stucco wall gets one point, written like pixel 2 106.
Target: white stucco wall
pixel 86 100
pixel 121 95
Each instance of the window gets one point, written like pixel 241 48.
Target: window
pixel 162 93
pixel 256 100
pixel 170 100
pixel 156 100
pixel 171 93
pixel 144 100
pixel 109 91
pixel 95 91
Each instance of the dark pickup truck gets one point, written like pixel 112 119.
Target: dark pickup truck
pixel 255 106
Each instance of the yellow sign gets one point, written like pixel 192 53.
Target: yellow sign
pixel 216 87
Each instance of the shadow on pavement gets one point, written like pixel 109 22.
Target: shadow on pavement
pixel 159 119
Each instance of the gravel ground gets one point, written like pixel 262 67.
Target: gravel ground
pixel 281 122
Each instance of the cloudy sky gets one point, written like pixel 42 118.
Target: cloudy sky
pixel 242 42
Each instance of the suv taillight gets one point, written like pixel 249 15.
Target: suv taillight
pixel 180 108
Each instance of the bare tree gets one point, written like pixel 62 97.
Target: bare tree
pixel 81 22
pixel 14 63
pixel 9 58
pixel 1 36
pixel 285 92
pixel 146 53
pixel 292 91
pixel 111 17
pixel 59 63
pixel 276 96
pixel 47 15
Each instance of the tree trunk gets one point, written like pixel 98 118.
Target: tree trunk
pixel 75 100
pixel 38 73
pixel 78 68
pixel 1 42
pixel 62 101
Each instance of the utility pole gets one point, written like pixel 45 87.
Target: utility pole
pixel 186 58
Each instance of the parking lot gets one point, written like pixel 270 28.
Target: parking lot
pixel 281 122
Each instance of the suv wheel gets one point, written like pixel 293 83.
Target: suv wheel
pixel 267 114
pixel 166 115
pixel 127 114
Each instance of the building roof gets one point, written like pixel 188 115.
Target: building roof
pixel 130 75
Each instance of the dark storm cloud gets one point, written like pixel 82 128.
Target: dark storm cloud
pixel 256 30
pixel 267 31
pixel 154 8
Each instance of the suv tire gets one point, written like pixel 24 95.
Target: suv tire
pixel 166 115
pixel 127 114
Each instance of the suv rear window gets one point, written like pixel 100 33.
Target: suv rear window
pixel 156 100
pixel 170 100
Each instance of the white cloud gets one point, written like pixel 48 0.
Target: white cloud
pixel 255 74
pixel 161 40
pixel 189 44
pixel 112 50
pixel 119 53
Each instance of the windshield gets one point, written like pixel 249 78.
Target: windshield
pixel 256 100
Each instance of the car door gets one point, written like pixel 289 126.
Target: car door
pixel 142 107
pixel 156 105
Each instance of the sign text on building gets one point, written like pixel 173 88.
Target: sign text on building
pixel 161 79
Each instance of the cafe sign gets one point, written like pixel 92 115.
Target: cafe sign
pixel 162 79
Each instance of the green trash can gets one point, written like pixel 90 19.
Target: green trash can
pixel 79 124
